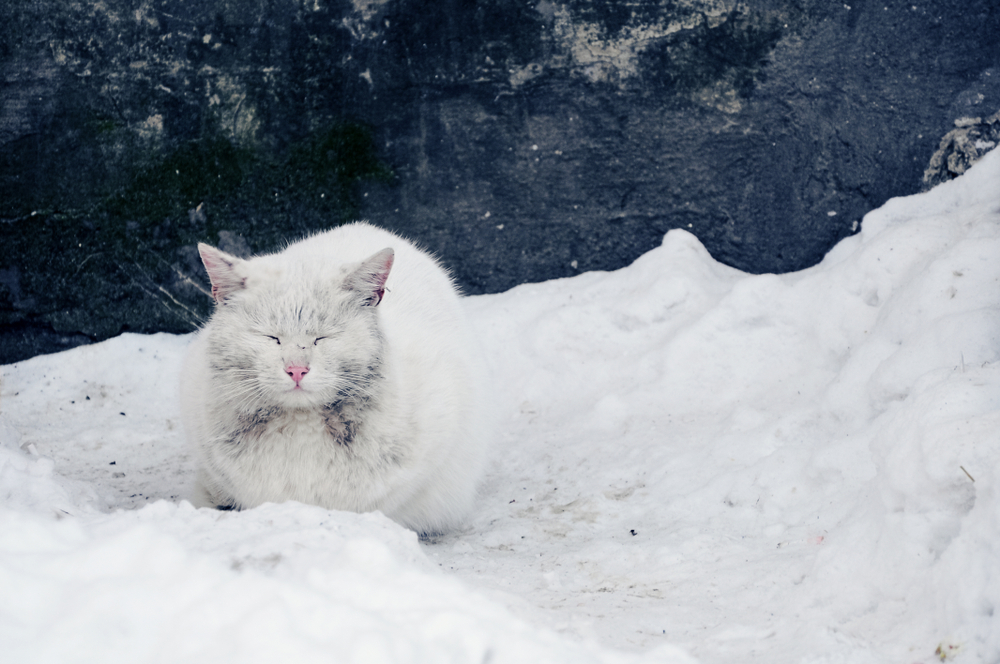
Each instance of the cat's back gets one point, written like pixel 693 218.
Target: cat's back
pixel 415 271
pixel 422 305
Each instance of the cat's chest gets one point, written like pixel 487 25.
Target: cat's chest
pixel 301 427
pixel 302 435
pixel 293 455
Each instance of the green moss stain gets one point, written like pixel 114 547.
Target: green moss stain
pixel 130 252
pixel 197 171
pixel 332 159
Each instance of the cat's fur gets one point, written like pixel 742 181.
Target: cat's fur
pixel 340 372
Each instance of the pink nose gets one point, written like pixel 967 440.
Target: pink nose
pixel 296 373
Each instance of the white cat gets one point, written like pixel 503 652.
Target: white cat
pixel 340 372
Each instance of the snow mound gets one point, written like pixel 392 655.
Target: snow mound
pixel 694 462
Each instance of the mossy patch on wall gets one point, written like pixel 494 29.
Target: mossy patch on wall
pixel 265 195
pixel 130 254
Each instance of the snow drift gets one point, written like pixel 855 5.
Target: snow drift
pixel 694 463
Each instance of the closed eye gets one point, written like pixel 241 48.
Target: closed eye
pixel 275 338
pixel 318 339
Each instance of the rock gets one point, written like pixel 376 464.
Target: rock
pixel 521 141
pixel 962 147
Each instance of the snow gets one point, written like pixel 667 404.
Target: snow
pixel 694 464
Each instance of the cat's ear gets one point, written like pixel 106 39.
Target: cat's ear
pixel 368 280
pixel 221 268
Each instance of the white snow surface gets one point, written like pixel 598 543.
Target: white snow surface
pixel 694 464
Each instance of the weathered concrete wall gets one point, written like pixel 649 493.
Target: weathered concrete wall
pixel 520 140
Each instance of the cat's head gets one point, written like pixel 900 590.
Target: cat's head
pixel 294 336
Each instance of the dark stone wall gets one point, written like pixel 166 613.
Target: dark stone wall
pixel 520 140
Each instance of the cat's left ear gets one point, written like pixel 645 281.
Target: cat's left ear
pixel 368 280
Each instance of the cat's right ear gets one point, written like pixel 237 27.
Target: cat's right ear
pixel 221 268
